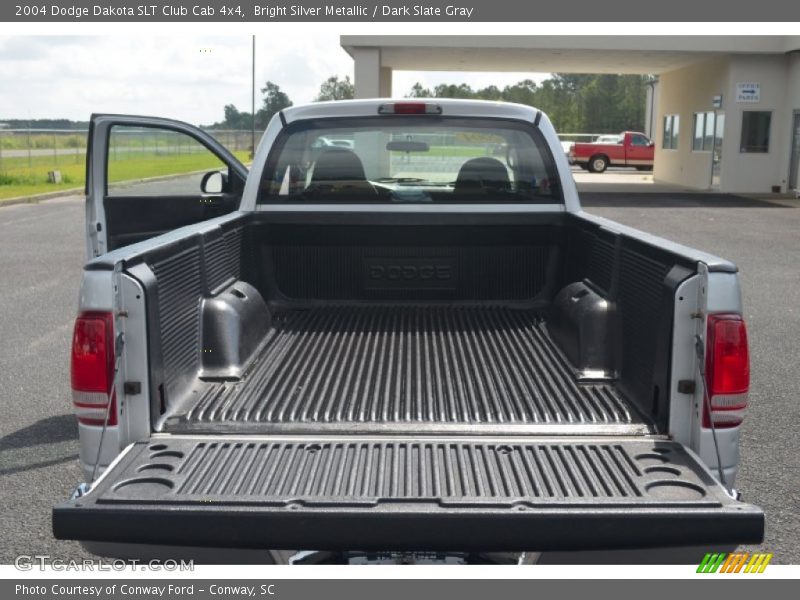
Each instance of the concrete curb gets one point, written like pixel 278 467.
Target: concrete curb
pixel 36 198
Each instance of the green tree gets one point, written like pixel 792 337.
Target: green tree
pixel 231 113
pixel 491 92
pixel 575 102
pixel 578 103
pixel 234 119
pixel 417 91
pixel 560 102
pixel 334 88
pixel 444 90
pixel 274 101
pixel 523 92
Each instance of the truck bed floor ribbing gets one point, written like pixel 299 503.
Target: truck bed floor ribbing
pixel 440 367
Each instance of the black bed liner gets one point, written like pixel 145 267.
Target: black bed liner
pixel 408 369
pixel 401 493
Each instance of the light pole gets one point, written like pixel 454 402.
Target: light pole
pixel 253 103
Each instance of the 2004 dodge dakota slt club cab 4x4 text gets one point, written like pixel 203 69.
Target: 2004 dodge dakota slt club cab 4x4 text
pixel 416 341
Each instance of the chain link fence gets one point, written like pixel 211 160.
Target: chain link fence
pixel 36 161
pixel 31 148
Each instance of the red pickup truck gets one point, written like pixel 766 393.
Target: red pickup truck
pixel 631 149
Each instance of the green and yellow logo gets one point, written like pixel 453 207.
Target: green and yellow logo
pixel 735 562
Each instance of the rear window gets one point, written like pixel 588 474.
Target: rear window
pixel 410 159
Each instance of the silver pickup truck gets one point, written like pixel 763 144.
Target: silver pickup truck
pixel 414 342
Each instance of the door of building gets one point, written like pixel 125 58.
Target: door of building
pixel 716 151
pixel 794 164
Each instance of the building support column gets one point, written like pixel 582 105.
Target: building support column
pixel 650 108
pixel 371 79
pixel 793 111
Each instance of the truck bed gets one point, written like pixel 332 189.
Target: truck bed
pixel 409 368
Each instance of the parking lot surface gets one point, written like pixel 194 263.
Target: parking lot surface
pixel 42 252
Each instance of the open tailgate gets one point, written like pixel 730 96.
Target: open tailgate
pixel 401 493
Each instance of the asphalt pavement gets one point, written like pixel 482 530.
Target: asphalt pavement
pixel 41 256
pixel 42 252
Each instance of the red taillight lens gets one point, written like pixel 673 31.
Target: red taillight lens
pixel 409 108
pixel 727 370
pixel 92 367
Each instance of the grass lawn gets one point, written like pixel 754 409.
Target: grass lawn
pixel 19 178
pixel 151 165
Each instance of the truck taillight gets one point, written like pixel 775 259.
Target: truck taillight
pixel 727 370
pixel 92 368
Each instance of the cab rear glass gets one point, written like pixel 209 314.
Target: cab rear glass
pixel 410 159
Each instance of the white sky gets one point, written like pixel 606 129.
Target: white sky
pixel 187 78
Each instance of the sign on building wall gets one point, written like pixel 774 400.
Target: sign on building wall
pixel 748 91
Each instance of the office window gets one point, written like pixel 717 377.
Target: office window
pixel 703 140
pixel 755 131
pixel 671 131
pixel 699 128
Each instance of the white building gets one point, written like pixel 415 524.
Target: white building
pixel 725 113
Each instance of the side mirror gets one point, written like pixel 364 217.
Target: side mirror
pixel 214 182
